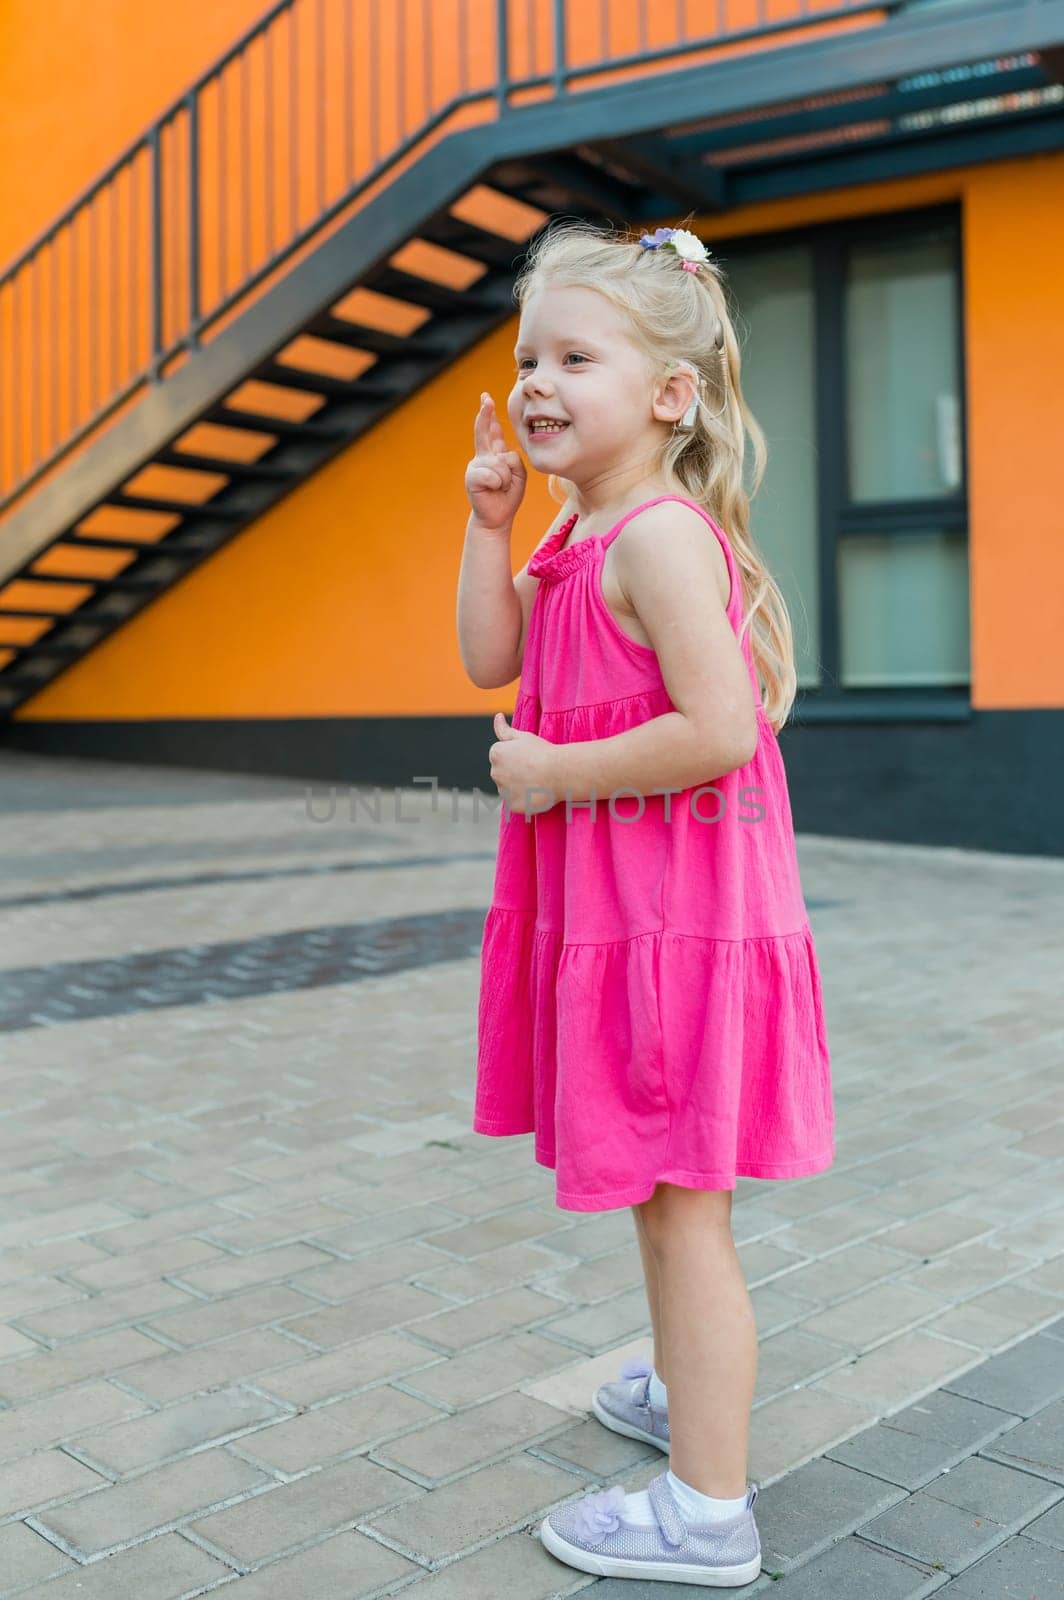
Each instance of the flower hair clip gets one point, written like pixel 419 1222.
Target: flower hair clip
pixel 688 246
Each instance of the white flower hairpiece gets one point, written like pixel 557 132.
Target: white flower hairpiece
pixel 688 246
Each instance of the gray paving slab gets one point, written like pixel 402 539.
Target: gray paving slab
pixel 905 1459
pixel 949 1417
pixel 988 1489
pixel 1048 1528
pixel 1020 1569
pixel 272 1315
pixel 934 1532
pixel 802 1513
pixel 1017 1380
pixel 1037 1444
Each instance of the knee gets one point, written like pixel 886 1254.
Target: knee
pixel 672 1212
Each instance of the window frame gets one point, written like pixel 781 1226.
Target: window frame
pixel 837 516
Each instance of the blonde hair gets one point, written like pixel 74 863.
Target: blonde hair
pixel 673 318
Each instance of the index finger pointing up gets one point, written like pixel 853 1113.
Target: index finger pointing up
pixel 482 427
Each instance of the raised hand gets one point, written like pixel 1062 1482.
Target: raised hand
pixel 495 478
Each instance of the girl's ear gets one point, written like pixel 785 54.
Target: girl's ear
pixel 677 394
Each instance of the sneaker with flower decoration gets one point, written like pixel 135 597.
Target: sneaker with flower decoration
pixel 624 1405
pixel 592 1535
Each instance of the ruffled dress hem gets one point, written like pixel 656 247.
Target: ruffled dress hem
pixel 637 1193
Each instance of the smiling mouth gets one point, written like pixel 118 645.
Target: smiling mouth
pixel 538 430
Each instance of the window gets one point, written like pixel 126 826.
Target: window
pixel 852 364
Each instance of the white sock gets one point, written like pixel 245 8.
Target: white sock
pixel 637 1509
pixel 657 1394
pixel 696 1507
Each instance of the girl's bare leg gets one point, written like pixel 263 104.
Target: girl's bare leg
pixel 708 1336
pixel 650 1274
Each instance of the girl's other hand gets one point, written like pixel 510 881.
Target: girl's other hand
pixel 495 478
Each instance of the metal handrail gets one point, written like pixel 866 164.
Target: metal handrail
pixel 146 259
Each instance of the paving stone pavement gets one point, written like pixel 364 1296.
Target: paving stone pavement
pixel 273 1318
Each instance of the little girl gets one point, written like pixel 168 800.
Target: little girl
pixel 650 1004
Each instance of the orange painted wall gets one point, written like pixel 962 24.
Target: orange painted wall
pixel 341 601
pixel 1015 330
pixel 78 82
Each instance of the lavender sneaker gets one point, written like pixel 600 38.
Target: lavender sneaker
pixel 624 1405
pixel 591 1534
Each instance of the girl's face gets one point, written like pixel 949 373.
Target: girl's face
pixel 575 363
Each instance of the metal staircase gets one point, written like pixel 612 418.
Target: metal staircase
pixel 222 397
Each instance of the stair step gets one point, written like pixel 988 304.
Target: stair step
pixel 64 652
pixel 28 611
pixel 265 471
pixel 359 336
pixel 466 239
pixel 97 582
pixel 169 545
pixel 19 680
pixel 373 386
pixel 153 502
pixel 230 417
pixel 490 294
pixel 102 585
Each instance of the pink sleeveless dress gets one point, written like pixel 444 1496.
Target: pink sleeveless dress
pixel 650 1004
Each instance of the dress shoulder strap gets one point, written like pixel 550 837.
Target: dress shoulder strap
pixel 736 593
pixel 735 600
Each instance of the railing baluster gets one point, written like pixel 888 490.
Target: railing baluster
pixel 156 252
pixel 374 110
pixel 75 340
pixel 167 286
pixel 112 190
pixel 16 363
pixel 35 361
pixel 400 67
pixel 133 276
pixel 192 103
pixel 293 123
pixel 558 76
pixel 349 98
pixel 502 47
pixel 55 334
pixel 320 107
pixel 244 178
pixel 426 57
pixel 93 253
pixel 223 156
pixel 268 138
